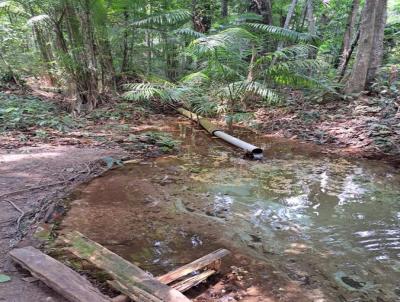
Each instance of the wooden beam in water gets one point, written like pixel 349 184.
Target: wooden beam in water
pixel 192 281
pixel 128 278
pixel 57 276
pixel 210 260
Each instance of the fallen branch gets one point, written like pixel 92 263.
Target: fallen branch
pixel 87 170
pixel 20 217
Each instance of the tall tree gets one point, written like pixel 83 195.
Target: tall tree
pixel 201 15
pixel 370 49
pixel 264 8
pixel 288 19
pixel 224 8
pixel 349 35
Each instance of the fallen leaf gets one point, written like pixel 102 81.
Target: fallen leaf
pixel 4 278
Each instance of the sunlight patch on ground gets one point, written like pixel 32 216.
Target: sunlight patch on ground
pixel 17 157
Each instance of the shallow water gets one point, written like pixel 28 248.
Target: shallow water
pixel 326 221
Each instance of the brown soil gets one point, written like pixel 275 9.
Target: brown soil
pixel 368 126
pixel 53 171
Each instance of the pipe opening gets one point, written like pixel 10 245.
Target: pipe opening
pixel 257 153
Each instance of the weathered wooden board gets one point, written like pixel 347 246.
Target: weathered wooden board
pixel 192 281
pixel 198 264
pixel 56 275
pixel 134 281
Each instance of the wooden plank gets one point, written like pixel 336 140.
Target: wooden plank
pixel 126 274
pixel 192 281
pixel 206 261
pixel 56 275
pixel 133 292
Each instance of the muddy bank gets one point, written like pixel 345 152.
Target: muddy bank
pixel 364 127
pixel 34 182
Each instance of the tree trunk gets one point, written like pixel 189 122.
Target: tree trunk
pixel 224 8
pixel 346 62
pixel 302 19
pixel 201 15
pixel 377 46
pixel 370 48
pixel 46 53
pixel 288 19
pixel 264 8
pixel 312 30
pixel 310 18
pixel 348 35
pixel 125 47
pixel 86 88
pixel 107 66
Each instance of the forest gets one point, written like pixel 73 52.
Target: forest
pixel 250 62
pixel 114 118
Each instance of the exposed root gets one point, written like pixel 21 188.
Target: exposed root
pixel 20 217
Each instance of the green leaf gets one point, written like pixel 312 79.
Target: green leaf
pixel 4 278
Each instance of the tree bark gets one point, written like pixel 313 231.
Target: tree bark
pixel 86 88
pixel 370 48
pixel 349 35
pixel 346 62
pixel 224 8
pixel 312 30
pixel 288 19
pixel 201 15
pixel 46 53
pixel 377 45
pixel 264 8
pixel 125 44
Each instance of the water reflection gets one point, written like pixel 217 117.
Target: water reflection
pixel 344 215
pixel 348 210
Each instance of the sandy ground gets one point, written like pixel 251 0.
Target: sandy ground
pixel 63 167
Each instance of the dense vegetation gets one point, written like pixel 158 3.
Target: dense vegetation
pixel 216 57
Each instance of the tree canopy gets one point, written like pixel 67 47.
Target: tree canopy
pixel 214 56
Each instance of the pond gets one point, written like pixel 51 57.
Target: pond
pixel 301 225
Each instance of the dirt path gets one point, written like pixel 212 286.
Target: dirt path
pixel 52 172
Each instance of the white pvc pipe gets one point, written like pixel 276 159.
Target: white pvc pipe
pixel 249 148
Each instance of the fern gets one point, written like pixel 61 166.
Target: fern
pixel 226 40
pixel 240 89
pixel 189 33
pixel 147 92
pixel 280 33
pixel 169 18
pixel 196 78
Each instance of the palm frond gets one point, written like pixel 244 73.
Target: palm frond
pixel 242 88
pixel 38 19
pixel 146 92
pixel 188 32
pixel 196 78
pixel 298 66
pixel 247 17
pixel 231 38
pixel 281 33
pixel 168 18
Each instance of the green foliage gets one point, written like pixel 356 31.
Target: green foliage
pixel 161 139
pixel 21 113
pixel 166 18
pixel 281 34
pixel 119 111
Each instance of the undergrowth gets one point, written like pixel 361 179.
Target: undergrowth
pixel 163 140
pixel 22 113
